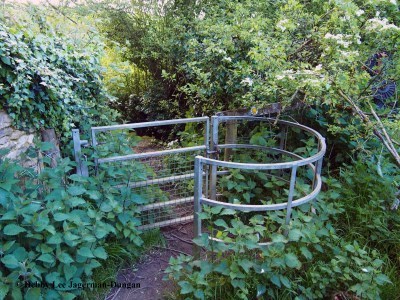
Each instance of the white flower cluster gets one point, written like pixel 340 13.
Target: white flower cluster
pixel 290 74
pixel 380 24
pixel 359 12
pixel 341 39
pixel 282 24
pixel 347 54
pixel 201 15
pixel 247 81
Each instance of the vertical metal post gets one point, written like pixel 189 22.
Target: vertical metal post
pixel 318 167
pixel 214 149
pixel 94 144
pixel 81 166
pixel 207 144
pixel 198 191
pixel 291 194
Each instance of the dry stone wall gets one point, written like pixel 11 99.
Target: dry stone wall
pixel 16 141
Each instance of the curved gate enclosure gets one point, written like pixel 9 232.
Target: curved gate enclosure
pixel 276 165
pixel 259 165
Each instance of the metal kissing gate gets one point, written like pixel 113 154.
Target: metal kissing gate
pixel 175 182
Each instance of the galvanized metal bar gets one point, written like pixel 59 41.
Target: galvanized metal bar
pixel 165 204
pixel 166 223
pixel 161 180
pixel 267 207
pixel 150 154
pixel 207 144
pixel 198 186
pixel 258 147
pixel 81 165
pixel 262 119
pixel 214 149
pixel 94 145
pixel 269 166
pixel 291 194
pixel 148 124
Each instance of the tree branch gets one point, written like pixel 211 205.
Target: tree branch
pixel 385 139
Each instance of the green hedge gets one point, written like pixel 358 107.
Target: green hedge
pixel 48 81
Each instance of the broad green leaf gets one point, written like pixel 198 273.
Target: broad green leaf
pixel 186 287
pixel 69 271
pixel 12 229
pixel 245 264
pixel 306 253
pixel 60 217
pixel 100 253
pixel 85 252
pixel 199 294
pixel 47 258
pixel 10 261
pixel 292 261
pixel 76 190
pixel 295 235
pixel 381 279
pixel 275 280
pixel 285 281
pixel 75 201
pixel 221 223
pixel 65 258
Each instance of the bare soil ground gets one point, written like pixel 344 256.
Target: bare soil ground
pixel 149 271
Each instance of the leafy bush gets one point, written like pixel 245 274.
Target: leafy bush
pixel 55 227
pixel 47 81
pixel 311 262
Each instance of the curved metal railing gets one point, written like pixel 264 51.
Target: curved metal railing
pixel 203 196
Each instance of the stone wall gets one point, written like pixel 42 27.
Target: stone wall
pixel 16 141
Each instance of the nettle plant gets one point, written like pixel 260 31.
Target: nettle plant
pixel 305 260
pixel 55 227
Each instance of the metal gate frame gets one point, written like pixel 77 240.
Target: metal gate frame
pixel 205 168
pixel 82 168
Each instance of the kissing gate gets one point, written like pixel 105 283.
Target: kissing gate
pixel 244 163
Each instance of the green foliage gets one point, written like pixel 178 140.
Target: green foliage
pixel 311 262
pixel 48 81
pixel 56 227
pixel 370 216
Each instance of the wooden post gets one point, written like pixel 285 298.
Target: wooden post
pixel 49 135
pixel 230 134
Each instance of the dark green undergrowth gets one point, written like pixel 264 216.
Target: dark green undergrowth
pixel 120 258
pixel 349 247
pixel 58 227
pixel 368 196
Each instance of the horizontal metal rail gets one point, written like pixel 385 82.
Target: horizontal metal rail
pixel 149 124
pixel 165 203
pixel 157 181
pixel 248 146
pixel 150 154
pixel 266 207
pixel 166 223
